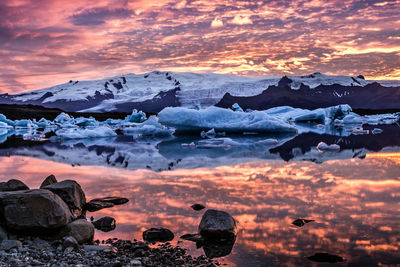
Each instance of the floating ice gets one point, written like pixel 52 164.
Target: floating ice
pixel 86 122
pixel 136 116
pixel 324 147
pixel 222 142
pixel 321 115
pixel 377 131
pixel 237 108
pixel 80 133
pixel 359 131
pixel 24 124
pixel 266 142
pixel 183 119
pixel 63 118
pixel 150 127
pixel 4 125
pixel 352 119
pixel 5 120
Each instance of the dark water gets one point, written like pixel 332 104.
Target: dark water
pixel 353 195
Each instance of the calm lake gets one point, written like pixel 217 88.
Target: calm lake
pixel 352 194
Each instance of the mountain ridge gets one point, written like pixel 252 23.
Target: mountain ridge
pixel 153 91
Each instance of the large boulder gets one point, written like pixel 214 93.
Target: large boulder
pixel 13 185
pixel 216 224
pixel 71 192
pixel 51 179
pixel 36 209
pixel 81 230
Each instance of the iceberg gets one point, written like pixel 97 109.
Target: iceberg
pixel 136 116
pixel 5 120
pixel 150 127
pixel 80 133
pixel 4 125
pixel 24 124
pixel 320 115
pixel 63 118
pixel 184 119
pixel 324 147
pixel 222 142
pixel 237 108
pixel 86 122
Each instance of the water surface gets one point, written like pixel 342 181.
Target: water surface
pixel 354 202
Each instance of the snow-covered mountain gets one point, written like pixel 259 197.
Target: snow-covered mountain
pixel 153 91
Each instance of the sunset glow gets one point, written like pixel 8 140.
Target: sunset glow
pixel 48 42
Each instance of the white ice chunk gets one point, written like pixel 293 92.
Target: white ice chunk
pixel 63 118
pixel 150 127
pixel 86 122
pixel 266 142
pixel 359 131
pixel 324 147
pixel 183 119
pixel 4 125
pixel 222 142
pixel 5 120
pixel 352 119
pixel 81 133
pixel 136 116
pixel 237 108
pixel 377 131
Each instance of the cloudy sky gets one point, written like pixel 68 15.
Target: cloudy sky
pixel 48 42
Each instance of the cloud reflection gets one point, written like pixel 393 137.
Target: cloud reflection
pixel 355 204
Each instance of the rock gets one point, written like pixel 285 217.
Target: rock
pixel 70 241
pixel 216 224
pixel 197 207
pixel 301 222
pixel 158 234
pixel 98 248
pixel 10 244
pixel 13 185
pixel 3 234
pixel 105 224
pixel 113 200
pixel 216 249
pixel 35 209
pixel 71 192
pixel 325 257
pixel 51 179
pixel 192 237
pixel 81 230
pixel 93 206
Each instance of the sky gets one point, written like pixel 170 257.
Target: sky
pixel 48 42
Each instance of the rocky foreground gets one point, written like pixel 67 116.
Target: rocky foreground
pixel 48 227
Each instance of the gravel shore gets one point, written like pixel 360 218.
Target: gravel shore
pixel 111 253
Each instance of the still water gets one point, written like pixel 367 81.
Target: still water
pixel 354 202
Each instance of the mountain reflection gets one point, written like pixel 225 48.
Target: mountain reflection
pixel 174 153
pixel 354 202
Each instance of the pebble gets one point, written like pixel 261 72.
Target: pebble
pixel 117 253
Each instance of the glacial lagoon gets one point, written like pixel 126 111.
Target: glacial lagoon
pixel 352 194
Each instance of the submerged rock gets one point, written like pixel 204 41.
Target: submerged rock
pixel 216 224
pixel 197 207
pixel 13 185
pixel 301 222
pixel 105 224
pixel 51 179
pixel 71 192
pixel 158 234
pixel 35 209
pixel 325 257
